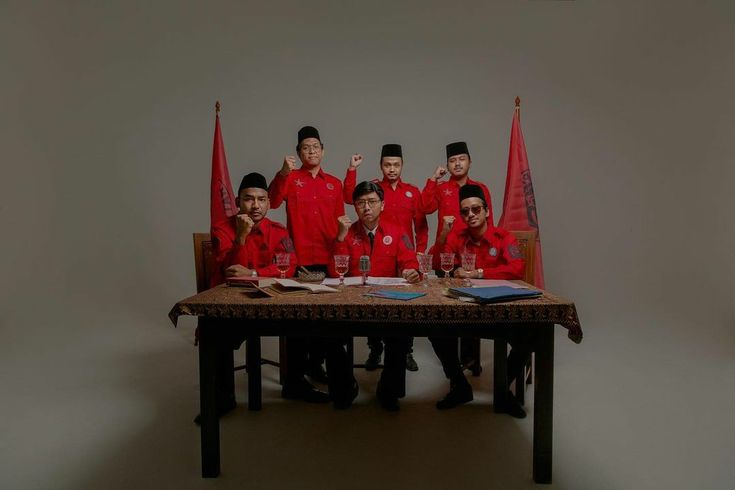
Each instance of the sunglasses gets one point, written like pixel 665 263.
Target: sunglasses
pixel 474 209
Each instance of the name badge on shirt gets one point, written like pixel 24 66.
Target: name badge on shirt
pixel 387 240
pixel 493 252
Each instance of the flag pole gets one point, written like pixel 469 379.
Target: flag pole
pixel 518 107
pixel 217 107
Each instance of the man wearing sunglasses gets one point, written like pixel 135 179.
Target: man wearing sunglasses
pixel 403 205
pixel 497 256
pixel 391 254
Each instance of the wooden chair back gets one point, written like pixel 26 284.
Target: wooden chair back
pixel 527 244
pixel 203 260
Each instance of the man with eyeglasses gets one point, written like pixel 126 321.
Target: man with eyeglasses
pixel 442 196
pixel 313 203
pixel 245 246
pixel 391 254
pixel 403 205
pixel 497 256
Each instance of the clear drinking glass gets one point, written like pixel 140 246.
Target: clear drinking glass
pixel 425 266
pixel 468 264
pixel 341 265
pixel 447 264
pixel 283 262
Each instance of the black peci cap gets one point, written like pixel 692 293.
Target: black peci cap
pixel 253 179
pixel 457 149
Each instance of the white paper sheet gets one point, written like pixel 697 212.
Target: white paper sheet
pixel 371 281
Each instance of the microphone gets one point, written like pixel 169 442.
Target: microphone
pixel 364 267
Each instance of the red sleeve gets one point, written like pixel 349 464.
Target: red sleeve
pixel 339 206
pixel 349 185
pixel 280 243
pixel 406 254
pixel 514 266
pixel 420 225
pixel 278 190
pixel 428 197
pixel 226 251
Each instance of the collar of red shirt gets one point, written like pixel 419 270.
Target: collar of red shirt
pixel 386 182
pixel 465 234
pixel 263 225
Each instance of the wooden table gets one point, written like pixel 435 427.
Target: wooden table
pixel 350 313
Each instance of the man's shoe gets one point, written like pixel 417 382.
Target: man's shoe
pixel 459 393
pixel 373 361
pixel 512 407
pixel 411 363
pixel 222 410
pixel 345 402
pixel 304 391
pixel 317 374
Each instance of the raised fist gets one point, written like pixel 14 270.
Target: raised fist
pixel 344 223
pixel 355 160
pixel 440 172
pixel 447 223
pixel 289 163
pixel 244 227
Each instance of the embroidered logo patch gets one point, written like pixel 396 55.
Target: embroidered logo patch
pixel 514 252
pixel 299 183
pixel 493 252
pixel 287 244
pixel 407 242
pixel 447 192
pixel 357 242
pixel 409 194
pixel 330 186
pixel 387 240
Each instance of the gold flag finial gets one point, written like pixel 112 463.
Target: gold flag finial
pixel 217 107
pixel 518 102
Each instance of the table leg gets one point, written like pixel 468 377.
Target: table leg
pixel 254 379
pixel 543 406
pixel 208 398
pixel 500 374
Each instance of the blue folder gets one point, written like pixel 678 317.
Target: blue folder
pixel 496 294
pixel 389 294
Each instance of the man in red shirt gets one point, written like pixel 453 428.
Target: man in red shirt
pixel 391 254
pixel 313 203
pixel 497 256
pixel 245 246
pixel 443 195
pixel 403 205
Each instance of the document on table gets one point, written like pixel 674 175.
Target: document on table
pixel 492 283
pixel 290 284
pixel 371 281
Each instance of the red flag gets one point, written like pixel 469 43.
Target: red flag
pixel 519 203
pixel 222 199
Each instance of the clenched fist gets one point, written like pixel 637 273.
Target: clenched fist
pixel 411 275
pixel 289 163
pixel 447 223
pixel 238 270
pixel 355 160
pixel 244 227
pixel 344 223
pixel 440 172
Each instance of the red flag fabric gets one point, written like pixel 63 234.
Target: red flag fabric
pixel 519 202
pixel 222 199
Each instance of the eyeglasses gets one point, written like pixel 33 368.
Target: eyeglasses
pixel 474 209
pixel 370 202
pixel 315 147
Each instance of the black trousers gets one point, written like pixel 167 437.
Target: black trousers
pixel 392 382
pixel 447 351
pixel 376 344
pixel 339 368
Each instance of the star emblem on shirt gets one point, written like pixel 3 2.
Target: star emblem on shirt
pixel 447 192
pixel 356 242
pixel 299 182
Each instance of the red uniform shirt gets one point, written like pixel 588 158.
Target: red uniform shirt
pixel 497 252
pixel 392 252
pixel 262 243
pixel 313 205
pixel 402 205
pixel 445 198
